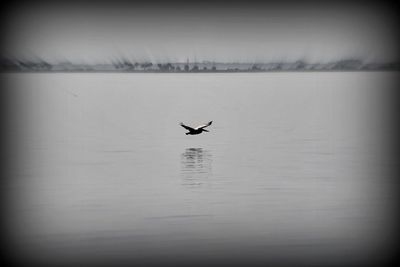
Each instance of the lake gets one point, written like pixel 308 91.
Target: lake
pixel 293 170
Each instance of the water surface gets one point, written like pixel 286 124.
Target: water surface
pixel 291 170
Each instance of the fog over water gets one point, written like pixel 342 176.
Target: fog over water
pixel 90 33
pixel 294 168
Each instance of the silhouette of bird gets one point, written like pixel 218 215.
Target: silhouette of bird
pixel 197 130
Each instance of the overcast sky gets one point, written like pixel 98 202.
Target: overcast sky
pixel 239 33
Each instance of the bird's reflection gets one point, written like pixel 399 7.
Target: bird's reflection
pixel 196 166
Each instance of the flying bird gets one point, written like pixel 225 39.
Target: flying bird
pixel 197 130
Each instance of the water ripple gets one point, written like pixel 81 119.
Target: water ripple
pixel 196 166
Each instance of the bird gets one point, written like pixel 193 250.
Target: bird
pixel 197 130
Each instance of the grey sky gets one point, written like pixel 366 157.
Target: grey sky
pixel 100 33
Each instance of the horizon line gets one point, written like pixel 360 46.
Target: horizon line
pixel 118 60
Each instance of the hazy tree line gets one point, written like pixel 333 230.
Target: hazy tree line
pixel 125 65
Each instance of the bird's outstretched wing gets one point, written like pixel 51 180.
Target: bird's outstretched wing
pixel 187 127
pixel 203 126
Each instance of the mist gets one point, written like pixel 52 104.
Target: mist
pixel 176 33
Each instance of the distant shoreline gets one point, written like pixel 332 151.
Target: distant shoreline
pixel 182 72
pixel 126 66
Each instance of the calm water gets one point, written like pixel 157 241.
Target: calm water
pixel 291 169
